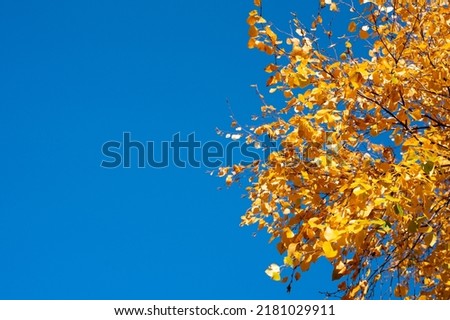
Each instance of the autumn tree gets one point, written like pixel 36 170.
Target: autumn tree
pixel 362 175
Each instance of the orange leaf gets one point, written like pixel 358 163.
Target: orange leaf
pixel 252 31
pixel 401 291
pixel 363 34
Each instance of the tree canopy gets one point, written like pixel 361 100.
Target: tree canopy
pixel 362 175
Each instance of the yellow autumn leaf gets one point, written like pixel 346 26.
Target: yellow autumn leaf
pixel 327 248
pixel 288 261
pixel 273 37
pixel 276 276
pixel 392 199
pixel 359 190
pixel 273 271
pixel 352 293
pixel 330 234
pixel 288 233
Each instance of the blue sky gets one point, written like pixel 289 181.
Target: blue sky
pixel 75 74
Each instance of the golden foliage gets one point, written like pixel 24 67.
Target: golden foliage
pixel 377 209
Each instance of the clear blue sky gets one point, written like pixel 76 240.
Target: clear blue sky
pixel 75 74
